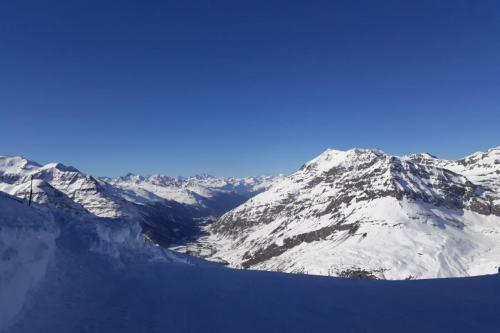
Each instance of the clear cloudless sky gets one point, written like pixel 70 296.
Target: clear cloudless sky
pixel 244 87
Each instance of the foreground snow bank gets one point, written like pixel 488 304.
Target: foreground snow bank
pixel 36 242
pixel 172 297
pixel 27 243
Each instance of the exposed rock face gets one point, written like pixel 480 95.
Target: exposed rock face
pixel 366 211
pixel 482 169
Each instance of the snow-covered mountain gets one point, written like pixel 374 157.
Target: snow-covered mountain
pixel 369 214
pixel 70 184
pixel 169 209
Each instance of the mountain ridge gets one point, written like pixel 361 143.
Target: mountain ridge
pixel 168 208
pixel 337 208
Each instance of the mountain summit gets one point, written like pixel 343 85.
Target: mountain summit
pixel 365 213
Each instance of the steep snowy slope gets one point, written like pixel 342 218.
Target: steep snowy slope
pixel 27 244
pixel 368 214
pixel 99 275
pixel 38 240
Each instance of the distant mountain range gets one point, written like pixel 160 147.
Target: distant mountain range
pixel 168 209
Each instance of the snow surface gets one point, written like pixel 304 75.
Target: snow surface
pixel 27 243
pixel 67 274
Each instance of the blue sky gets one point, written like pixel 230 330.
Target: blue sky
pixel 244 87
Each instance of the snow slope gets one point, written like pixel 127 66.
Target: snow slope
pixel 365 213
pixel 27 244
pixel 100 275
pixel 39 239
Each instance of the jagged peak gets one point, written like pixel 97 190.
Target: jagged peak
pixel 131 177
pixel 163 180
pixel 425 155
pixel 331 158
pixel 59 166
pixel 491 157
pixel 202 176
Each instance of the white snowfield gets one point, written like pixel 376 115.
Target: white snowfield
pixel 73 273
pixel 27 244
pixel 368 214
pixel 33 238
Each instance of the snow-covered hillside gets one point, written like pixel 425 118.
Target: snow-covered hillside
pixel 27 244
pixel 69 273
pixel 365 213
pixel 38 240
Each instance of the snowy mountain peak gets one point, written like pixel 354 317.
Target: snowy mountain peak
pixel 490 158
pixel 60 167
pixel 362 212
pixel 163 180
pixel 131 177
pixel 332 158
pixel 16 164
pixel 420 156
